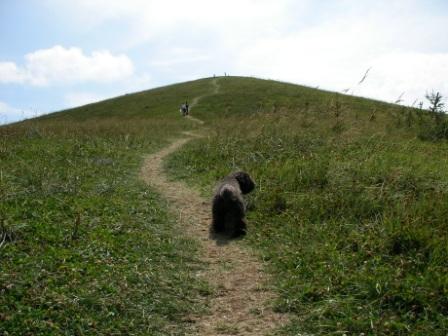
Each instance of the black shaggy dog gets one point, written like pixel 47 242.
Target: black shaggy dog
pixel 228 206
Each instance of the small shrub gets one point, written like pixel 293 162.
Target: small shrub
pixel 434 131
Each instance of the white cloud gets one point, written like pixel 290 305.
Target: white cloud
pixel 410 73
pixel 10 73
pixel 179 56
pixel 326 44
pixel 329 44
pixel 336 53
pixel 227 22
pixel 67 65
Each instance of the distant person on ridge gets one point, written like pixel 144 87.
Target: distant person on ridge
pixel 186 108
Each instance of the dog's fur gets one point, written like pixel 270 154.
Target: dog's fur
pixel 228 205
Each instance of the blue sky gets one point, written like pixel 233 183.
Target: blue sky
pixel 56 54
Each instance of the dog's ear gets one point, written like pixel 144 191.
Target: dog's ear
pixel 245 182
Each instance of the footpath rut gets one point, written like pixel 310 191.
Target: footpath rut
pixel 196 100
pixel 241 303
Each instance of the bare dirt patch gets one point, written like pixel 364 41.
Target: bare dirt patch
pixel 196 100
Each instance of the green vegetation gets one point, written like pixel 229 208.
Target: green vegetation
pixel 437 128
pixel 349 212
pixel 86 247
pixel 350 208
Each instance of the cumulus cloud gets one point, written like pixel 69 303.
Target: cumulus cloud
pixel 10 73
pixel 67 65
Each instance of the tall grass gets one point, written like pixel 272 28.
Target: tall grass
pixel 349 212
pixel 85 247
pixel 352 220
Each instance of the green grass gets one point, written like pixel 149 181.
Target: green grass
pixel 349 211
pixel 88 248
pixel 160 103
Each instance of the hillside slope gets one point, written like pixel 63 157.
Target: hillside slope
pixel 85 246
pixel 151 104
pixel 351 206
pixel 349 211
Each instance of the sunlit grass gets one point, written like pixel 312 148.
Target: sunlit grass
pixel 85 247
pixel 350 211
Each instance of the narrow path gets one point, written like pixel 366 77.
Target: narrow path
pixel 196 100
pixel 241 303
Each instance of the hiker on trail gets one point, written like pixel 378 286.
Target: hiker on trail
pixel 184 109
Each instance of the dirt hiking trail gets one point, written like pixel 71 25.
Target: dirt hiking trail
pixel 241 302
pixel 195 101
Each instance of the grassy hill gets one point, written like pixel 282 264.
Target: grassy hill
pixel 349 211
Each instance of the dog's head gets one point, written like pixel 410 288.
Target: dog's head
pixel 245 182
